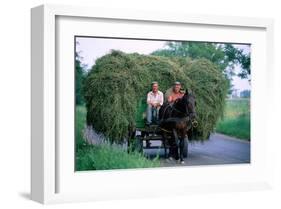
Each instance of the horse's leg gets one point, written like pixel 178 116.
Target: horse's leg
pixel 176 145
pixel 171 144
pixel 165 147
pixel 165 150
pixel 164 138
pixel 181 149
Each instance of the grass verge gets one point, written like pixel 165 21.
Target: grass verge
pixel 236 121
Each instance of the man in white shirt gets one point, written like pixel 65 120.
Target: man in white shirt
pixel 154 100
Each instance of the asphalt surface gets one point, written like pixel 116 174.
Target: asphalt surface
pixel 219 149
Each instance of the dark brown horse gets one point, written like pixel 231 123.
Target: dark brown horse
pixel 175 120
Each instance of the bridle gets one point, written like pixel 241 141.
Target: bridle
pixel 187 113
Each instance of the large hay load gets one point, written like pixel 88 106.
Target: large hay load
pixel 118 82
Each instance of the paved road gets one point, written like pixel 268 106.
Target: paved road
pixel 219 149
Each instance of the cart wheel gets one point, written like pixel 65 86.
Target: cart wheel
pixel 185 148
pixel 137 144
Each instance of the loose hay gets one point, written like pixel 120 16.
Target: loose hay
pixel 118 81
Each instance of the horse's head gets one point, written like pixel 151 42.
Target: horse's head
pixel 190 104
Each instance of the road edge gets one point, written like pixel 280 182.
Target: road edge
pixel 232 138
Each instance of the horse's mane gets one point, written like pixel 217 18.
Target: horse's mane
pixel 175 108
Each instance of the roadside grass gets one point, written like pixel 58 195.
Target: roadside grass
pixel 104 156
pixel 236 121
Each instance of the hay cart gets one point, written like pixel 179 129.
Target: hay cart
pixel 143 136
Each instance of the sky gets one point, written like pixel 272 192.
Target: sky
pixel 90 49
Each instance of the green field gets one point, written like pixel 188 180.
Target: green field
pixel 105 156
pixel 236 121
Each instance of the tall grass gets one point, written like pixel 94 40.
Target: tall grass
pixel 104 156
pixel 236 121
pixel 80 118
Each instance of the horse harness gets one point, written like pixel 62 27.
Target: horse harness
pixel 193 122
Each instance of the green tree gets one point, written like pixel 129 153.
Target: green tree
pixel 225 56
pixel 79 79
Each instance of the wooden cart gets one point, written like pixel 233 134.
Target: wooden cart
pixel 142 136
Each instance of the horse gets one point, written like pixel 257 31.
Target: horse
pixel 175 120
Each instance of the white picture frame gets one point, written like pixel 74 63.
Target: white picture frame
pixel 53 178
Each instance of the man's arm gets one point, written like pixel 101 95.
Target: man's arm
pixel 170 99
pixel 148 101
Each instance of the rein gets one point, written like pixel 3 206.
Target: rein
pixel 169 131
pixel 194 122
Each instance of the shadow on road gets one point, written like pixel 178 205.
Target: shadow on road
pixel 219 149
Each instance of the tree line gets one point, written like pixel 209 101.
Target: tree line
pixel 225 56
